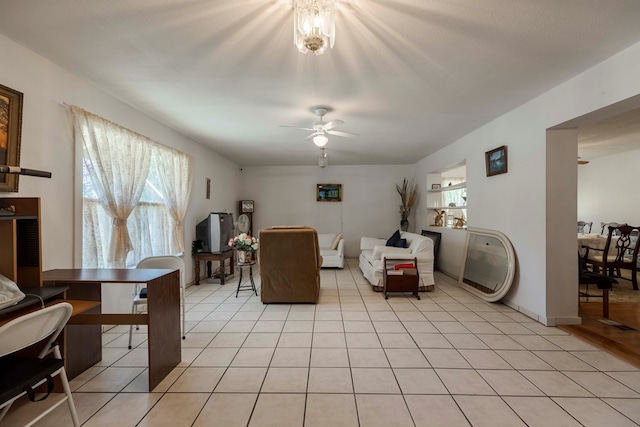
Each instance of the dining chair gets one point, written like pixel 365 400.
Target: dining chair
pixel 140 294
pixel 605 226
pixel 584 227
pixel 603 282
pixel 22 374
pixel 623 255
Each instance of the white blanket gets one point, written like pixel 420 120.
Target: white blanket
pixel 9 292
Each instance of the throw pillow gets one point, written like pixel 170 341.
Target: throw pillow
pixel 401 243
pixel 334 245
pixel 394 238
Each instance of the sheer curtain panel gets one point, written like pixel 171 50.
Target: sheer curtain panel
pixel 117 161
pixel 175 170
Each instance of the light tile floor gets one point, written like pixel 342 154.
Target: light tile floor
pixel 356 359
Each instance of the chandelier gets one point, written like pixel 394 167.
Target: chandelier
pixel 314 25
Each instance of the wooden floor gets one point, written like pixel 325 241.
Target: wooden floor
pixel 620 336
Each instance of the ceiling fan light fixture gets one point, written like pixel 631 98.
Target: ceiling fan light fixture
pixel 323 161
pixel 320 140
pixel 314 25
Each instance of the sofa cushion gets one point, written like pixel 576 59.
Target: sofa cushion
pixel 379 250
pixel 393 240
pixel 336 240
pixel 326 252
pixel 401 243
pixel 326 240
pixel 418 243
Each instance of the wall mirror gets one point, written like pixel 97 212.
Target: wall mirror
pixel 488 266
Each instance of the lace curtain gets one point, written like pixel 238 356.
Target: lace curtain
pixel 176 176
pixel 118 162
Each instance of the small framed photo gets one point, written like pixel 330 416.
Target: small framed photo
pixel 329 193
pixel 435 186
pixel 496 161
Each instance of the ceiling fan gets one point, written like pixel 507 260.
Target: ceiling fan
pixel 582 162
pixel 321 129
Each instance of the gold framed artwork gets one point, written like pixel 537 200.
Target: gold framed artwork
pixel 329 193
pixel 10 132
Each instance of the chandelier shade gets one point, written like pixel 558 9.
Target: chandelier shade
pixel 314 25
pixel 320 140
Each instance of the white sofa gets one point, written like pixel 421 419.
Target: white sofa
pixel 332 252
pixel 373 251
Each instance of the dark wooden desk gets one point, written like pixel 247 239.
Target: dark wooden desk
pixel 208 257
pixel 83 332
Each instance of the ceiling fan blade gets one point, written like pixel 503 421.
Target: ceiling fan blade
pixel 313 135
pixel 339 133
pixel 295 127
pixel 333 123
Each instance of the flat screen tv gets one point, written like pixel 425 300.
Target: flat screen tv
pixel 215 231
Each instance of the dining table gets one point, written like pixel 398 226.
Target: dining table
pixel 593 241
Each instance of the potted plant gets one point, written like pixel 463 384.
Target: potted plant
pixel 245 245
pixel 408 191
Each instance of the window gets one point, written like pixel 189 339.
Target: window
pixel 135 194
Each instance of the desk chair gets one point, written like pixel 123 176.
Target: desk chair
pixel 140 294
pixel 20 374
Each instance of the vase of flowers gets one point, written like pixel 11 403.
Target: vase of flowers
pixel 245 245
pixel 408 191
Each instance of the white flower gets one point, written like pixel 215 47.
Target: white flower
pixel 242 236
pixel 254 246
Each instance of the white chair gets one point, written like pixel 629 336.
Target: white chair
pixel 140 294
pixel 20 375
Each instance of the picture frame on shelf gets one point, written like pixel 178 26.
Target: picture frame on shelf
pixel 10 134
pixel 329 193
pixel 496 161
pixel 436 186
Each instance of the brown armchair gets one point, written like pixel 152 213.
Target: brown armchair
pixel 290 264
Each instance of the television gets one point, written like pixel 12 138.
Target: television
pixel 215 231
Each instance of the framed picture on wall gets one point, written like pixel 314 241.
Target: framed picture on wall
pixel 329 193
pixel 496 161
pixel 10 130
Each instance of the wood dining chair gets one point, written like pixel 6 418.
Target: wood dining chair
pixel 620 253
pixel 603 282
pixel 584 227
pixel 605 226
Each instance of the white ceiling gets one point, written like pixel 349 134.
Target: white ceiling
pixel 612 136
pixel 408 76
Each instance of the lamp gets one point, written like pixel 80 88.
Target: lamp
pixel 320 140
pixel 323 161
pixel 314 25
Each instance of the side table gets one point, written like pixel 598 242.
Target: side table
pixel 208 257
pixel 250 286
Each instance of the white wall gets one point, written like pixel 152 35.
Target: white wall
pixel 48 144
pixel 516 203
pixel 370 204
pixel 596 200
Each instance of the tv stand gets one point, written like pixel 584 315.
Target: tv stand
pixel 208 257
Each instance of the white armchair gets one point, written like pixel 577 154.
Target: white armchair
pixel 331 249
